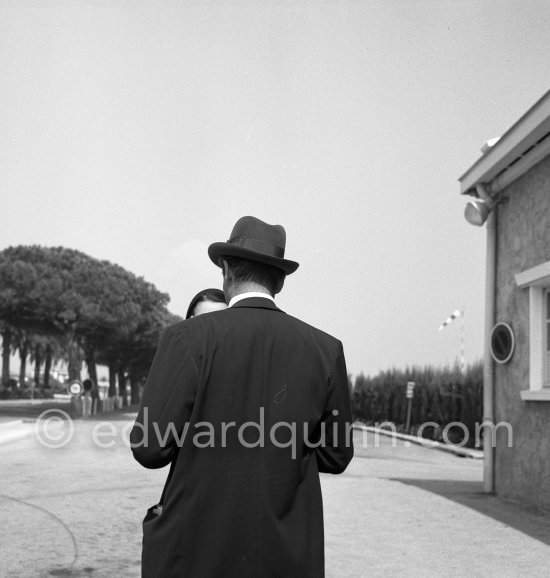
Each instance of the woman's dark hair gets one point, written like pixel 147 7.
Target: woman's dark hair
pixel 214 295
pixel 243 270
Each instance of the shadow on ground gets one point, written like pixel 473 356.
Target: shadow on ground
pixel 24 410
pixel 470 494
pixel 28 411
pixel 127 413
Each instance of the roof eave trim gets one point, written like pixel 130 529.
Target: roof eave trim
pixel 512 148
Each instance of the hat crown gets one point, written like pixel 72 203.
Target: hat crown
pixel 255 240
pixel 255 234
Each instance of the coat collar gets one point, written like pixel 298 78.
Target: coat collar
pixel 259 302
pixel 248 294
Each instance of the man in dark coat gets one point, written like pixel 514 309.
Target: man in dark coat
pixel 248 405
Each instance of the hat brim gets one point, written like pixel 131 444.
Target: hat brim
pixel 218 250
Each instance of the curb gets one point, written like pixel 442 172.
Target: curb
pixel 22 429
pixel 10 423
pixel 430 444
pixel 18 431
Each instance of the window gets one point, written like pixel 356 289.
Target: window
pixel 537 281
pixel 547 345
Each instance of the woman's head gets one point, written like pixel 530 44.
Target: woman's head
pixel 205 301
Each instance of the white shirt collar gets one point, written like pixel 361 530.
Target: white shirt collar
pixel 242 296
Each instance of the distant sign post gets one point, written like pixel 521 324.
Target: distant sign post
pixel 76 388
pixel 410 395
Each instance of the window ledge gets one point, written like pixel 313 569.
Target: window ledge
pixel 536 276
pixel 535 395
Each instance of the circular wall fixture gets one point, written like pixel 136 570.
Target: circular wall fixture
pixel 502 342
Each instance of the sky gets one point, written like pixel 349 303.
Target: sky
pixel 140 131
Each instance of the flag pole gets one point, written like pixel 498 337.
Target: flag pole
pixel 458 313
pixel 462 357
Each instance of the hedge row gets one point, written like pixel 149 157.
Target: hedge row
pixel 442 396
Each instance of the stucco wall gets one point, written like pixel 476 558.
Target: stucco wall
pixel 522 472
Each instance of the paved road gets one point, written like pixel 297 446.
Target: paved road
pixel 77 510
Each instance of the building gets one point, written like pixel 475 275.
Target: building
pixel 509 189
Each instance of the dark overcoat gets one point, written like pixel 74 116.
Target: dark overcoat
pixel 248 405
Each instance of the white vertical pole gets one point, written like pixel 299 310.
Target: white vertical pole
pixel 462 357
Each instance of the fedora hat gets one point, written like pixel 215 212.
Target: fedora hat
pixel 257 241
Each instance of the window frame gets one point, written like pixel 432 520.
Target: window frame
pixel 537 281
pixel 546 380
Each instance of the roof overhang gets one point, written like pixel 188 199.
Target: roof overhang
pixel 525 144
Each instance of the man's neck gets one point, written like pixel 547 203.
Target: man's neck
pixel 234 291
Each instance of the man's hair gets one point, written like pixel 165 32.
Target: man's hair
pixel 247 271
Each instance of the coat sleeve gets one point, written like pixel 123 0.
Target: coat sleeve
pixel 336 450
pixel 168 397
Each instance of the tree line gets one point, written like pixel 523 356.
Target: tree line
pixel 441 395
pixel 61 304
